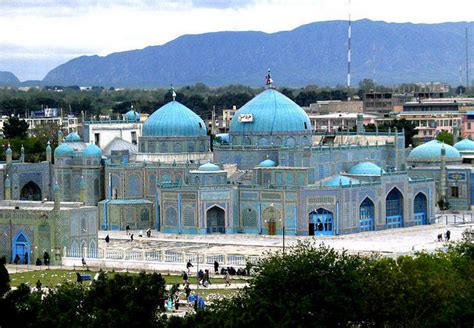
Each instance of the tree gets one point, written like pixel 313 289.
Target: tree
pixel 4 277
pixel 15 127
pixel 312 286
pixel 445 137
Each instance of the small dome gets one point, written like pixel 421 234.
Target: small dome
pixel 56 188
pixel 9 150
pixel 464 145
pixel 366 168
pixel 92 151
pixel 132 116
pixel 8 182
pixel 209 167
pixel 72 137
pixel 340 180
pixel 48 147
pixel 174 120
pixel 271 112
pixel 63 150
pixel 267 163
pixel 432 151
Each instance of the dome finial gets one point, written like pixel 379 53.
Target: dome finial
pixel 173 93
pixel 268 79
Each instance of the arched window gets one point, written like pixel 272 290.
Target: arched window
pixel 394 209
pixel 171 218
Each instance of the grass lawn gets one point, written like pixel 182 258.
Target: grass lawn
pixel 51 278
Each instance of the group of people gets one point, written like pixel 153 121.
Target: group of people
pixel 140 233
pixel 204 277
pixel 45 259
pixel 447 236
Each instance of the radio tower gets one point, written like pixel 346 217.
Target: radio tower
pixel 467 63
pixel 349 55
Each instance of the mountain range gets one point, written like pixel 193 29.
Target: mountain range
pixel 315 53
pixel 8 79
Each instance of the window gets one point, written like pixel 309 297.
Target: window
pixel 469 125
pixel 134 137
pixel 97 139
pixel 455 192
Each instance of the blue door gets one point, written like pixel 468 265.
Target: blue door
pixel 323 222
pixel 366 215
pixel 21 247
pixel 420 209
pixel 394 209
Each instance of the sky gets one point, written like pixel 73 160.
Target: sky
pixel 38 35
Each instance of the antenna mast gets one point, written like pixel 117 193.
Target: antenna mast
pixel 467 62
pixel 349 34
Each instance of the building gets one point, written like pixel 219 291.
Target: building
pixel 339 121
pixel 265 174
pixel 335 106
pixel 102 132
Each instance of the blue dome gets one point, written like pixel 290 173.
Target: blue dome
pixel 92 151
pixel 174 120
pixel 366 168
pixel 9 150
pixel 464 145
pixel 64 150
pixel 432 151
pixel 267 163
pixel 209 167
pixel 340 180
pixel 132 116
pixel 72 137
pixel 272 112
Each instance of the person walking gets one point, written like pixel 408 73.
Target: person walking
pixel 107 240
pixel 46 258
pixel 227 278
pixel 131 237
pixel 448 235
pixel 216 267
pixel 127 229
pixel 185 278
pixel 189 266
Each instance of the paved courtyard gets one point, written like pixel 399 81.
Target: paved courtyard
pixel 388 242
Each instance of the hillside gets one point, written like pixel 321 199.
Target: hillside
pixel 311 54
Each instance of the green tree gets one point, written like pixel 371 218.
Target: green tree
pixel 15 127
pixel 445 137
pixel 4 277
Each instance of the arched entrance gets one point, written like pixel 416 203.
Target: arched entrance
pixel 366 215
pixel 21 247
pixel 321 222
pixel 419 206
pixel 30 191
pixel 215 220
pixel 394 209
pixel 271 216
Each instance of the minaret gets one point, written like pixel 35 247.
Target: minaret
pixel 57 196
pixel 83 189
pixel 442 176
pixel 9 154
pixel 8 188
pixel 22 154
pixel 49 153
pixel 455 132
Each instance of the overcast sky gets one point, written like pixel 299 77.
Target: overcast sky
pixel 37 35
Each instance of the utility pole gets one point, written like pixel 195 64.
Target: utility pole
pixel 467 62
pixel 349 55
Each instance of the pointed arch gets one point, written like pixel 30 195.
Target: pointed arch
pixel 21 248
pixel 366 214
pixel 420 206
pixel 394 208
pixel 215 219
pixel 321 222
pixel 30 191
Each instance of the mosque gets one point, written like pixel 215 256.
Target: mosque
pixel 271 174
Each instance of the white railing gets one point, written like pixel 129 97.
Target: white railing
pixel 154 256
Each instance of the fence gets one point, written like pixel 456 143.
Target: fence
pixel 454 218
pixel 165 256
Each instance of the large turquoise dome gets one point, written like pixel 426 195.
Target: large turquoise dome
pixel 92 151
pixel 64 150
pixel 341 180
pixel 269 112
pixel 465 145
pixel 366 168
pixel 431 151
pixel 174 120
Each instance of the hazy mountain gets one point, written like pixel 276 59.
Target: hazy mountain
pixel 311 54
pixel 8 79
